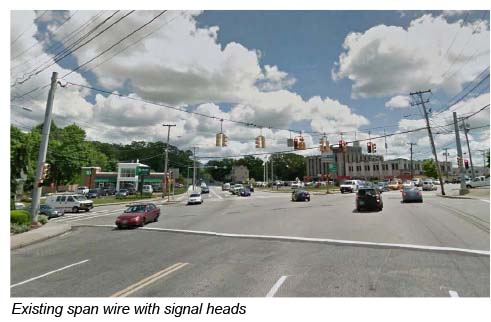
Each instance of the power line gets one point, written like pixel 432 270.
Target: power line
pixel 27 29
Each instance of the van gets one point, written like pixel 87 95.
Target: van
pixel 69 202
pixel 226 187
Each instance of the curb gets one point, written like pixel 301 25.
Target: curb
pixel 37 235
pixel 455 197
pixel 137 200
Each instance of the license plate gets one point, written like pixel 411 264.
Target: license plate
pixel 362 202
pixel 124 222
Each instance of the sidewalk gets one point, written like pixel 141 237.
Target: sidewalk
pixel 39 234
pixel 474 193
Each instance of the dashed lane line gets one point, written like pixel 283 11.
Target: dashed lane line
pixel 276 286
pixel 48 273
pixel 315 240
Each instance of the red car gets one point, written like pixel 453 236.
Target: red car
pixel 138 215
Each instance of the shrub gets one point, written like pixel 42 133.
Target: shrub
pixel 42 219
pixel 12 204
pixel 18 228
pixel 20 217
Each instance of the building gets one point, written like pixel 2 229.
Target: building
pixel 478 171
pixel 354 164
pixel 126 176
pixel 238 174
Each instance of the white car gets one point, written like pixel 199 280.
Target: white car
pixel 195 198
pixel 350 186
pixel 226 187
pixel 418 182
pixel 296 185
pixel 428 185
pixel 148 189
pixel 82 190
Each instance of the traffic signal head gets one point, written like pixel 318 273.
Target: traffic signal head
pixel 466 162
pixel 263 142
pixel 374 148
pixel 225 140
pixel 369 147
pixel 218 139
pixel 295 144
pixel 45 171
pixel 258 142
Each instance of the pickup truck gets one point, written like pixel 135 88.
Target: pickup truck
pixel 480 181
pixel 349 186
pixel 83 190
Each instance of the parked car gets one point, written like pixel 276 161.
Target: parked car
pixel 418 182
pixel 297 184
pixel 350 186
pixel 407 184
pixel 178 185
pixel 19 206
pixel 48 211
pixel 226 187
pixel 69 202
pixel 395 185
pixel 236 188
pixel 410 194
pixel 428 185
pixel 82 190
pixel 147 189
pixel 138 215
pixel 480 181
pixel 244 192
pixel 300 195
pixel 132 191
pixel 195 198
pixel 205 190
pixel 368 198
pixel 93 193
pixel 108 192
pixel 122 193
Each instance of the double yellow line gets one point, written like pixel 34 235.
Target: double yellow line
pixel 148 280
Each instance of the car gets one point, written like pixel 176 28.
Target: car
pixel 236 188
pixel 122 193
pixel 368 198
pixel 300 195
pixel 147 189
pixel 138 215
pixel 93 193
pixel 203 185
pixel 382 187
pixel 480 181
pixel 195 198
pixel 244 192
pixel 428 185
pixel 48 211
pixel 350 186
pixel 69 202
pixel 226 187
pixel 205 190
pixel 108 192
pixel 178 185
pixel 411 194
pixel 19 206
pixel 82 190
pixel 407 184
pixel 395 185
pixel 131 191
pixel 418 182
pixel 250 187
pixel 297 184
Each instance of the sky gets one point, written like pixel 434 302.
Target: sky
pixel 336 72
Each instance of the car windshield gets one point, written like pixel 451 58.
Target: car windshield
pixel 45 207
pixel 79 198
pixel 123 190
pixel 195 195
pixel 135 208
pixel 367 192
pixel 93 190
pixel 410 189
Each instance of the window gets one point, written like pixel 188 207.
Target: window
pixel 70 199
pixel 58 199
pixel 63 198
pixel 128 172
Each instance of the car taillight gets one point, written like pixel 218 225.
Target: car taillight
pixel 403 194
pixel 419 193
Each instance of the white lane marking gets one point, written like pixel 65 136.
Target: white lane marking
pixel 485 200
pixel 216 194
pixel 315 240
pixel 453 293
pixel 86 217
pixel 276 286
pixel 49 273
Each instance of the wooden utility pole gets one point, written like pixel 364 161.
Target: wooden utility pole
pixel 466 130
pixel 422 102
pixel 167 177
pixel 445 154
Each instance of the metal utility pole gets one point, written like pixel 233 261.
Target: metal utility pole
pixel 167 177
pixel 463 188
pixel 411 164
pixel 272 177
pixel 445 154
pixel 466 130
pixel 422 102
pixel 194 167
pixel 43 149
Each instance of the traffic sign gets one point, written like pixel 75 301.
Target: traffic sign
pixel 143 171
pixel 333 168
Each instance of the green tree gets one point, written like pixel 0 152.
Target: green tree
pixel 288 166
pixel 429 168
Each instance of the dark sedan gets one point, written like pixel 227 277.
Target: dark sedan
pixel 138 215
pixel 244 193
pixel 205 190
pixel 300 195
pixel 368 198
pixel 93 193
pixel 411 194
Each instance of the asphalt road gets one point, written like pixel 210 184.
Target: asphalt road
pixel 97 260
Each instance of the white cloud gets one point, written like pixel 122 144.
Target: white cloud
pixel 390 60
pixel 399 101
